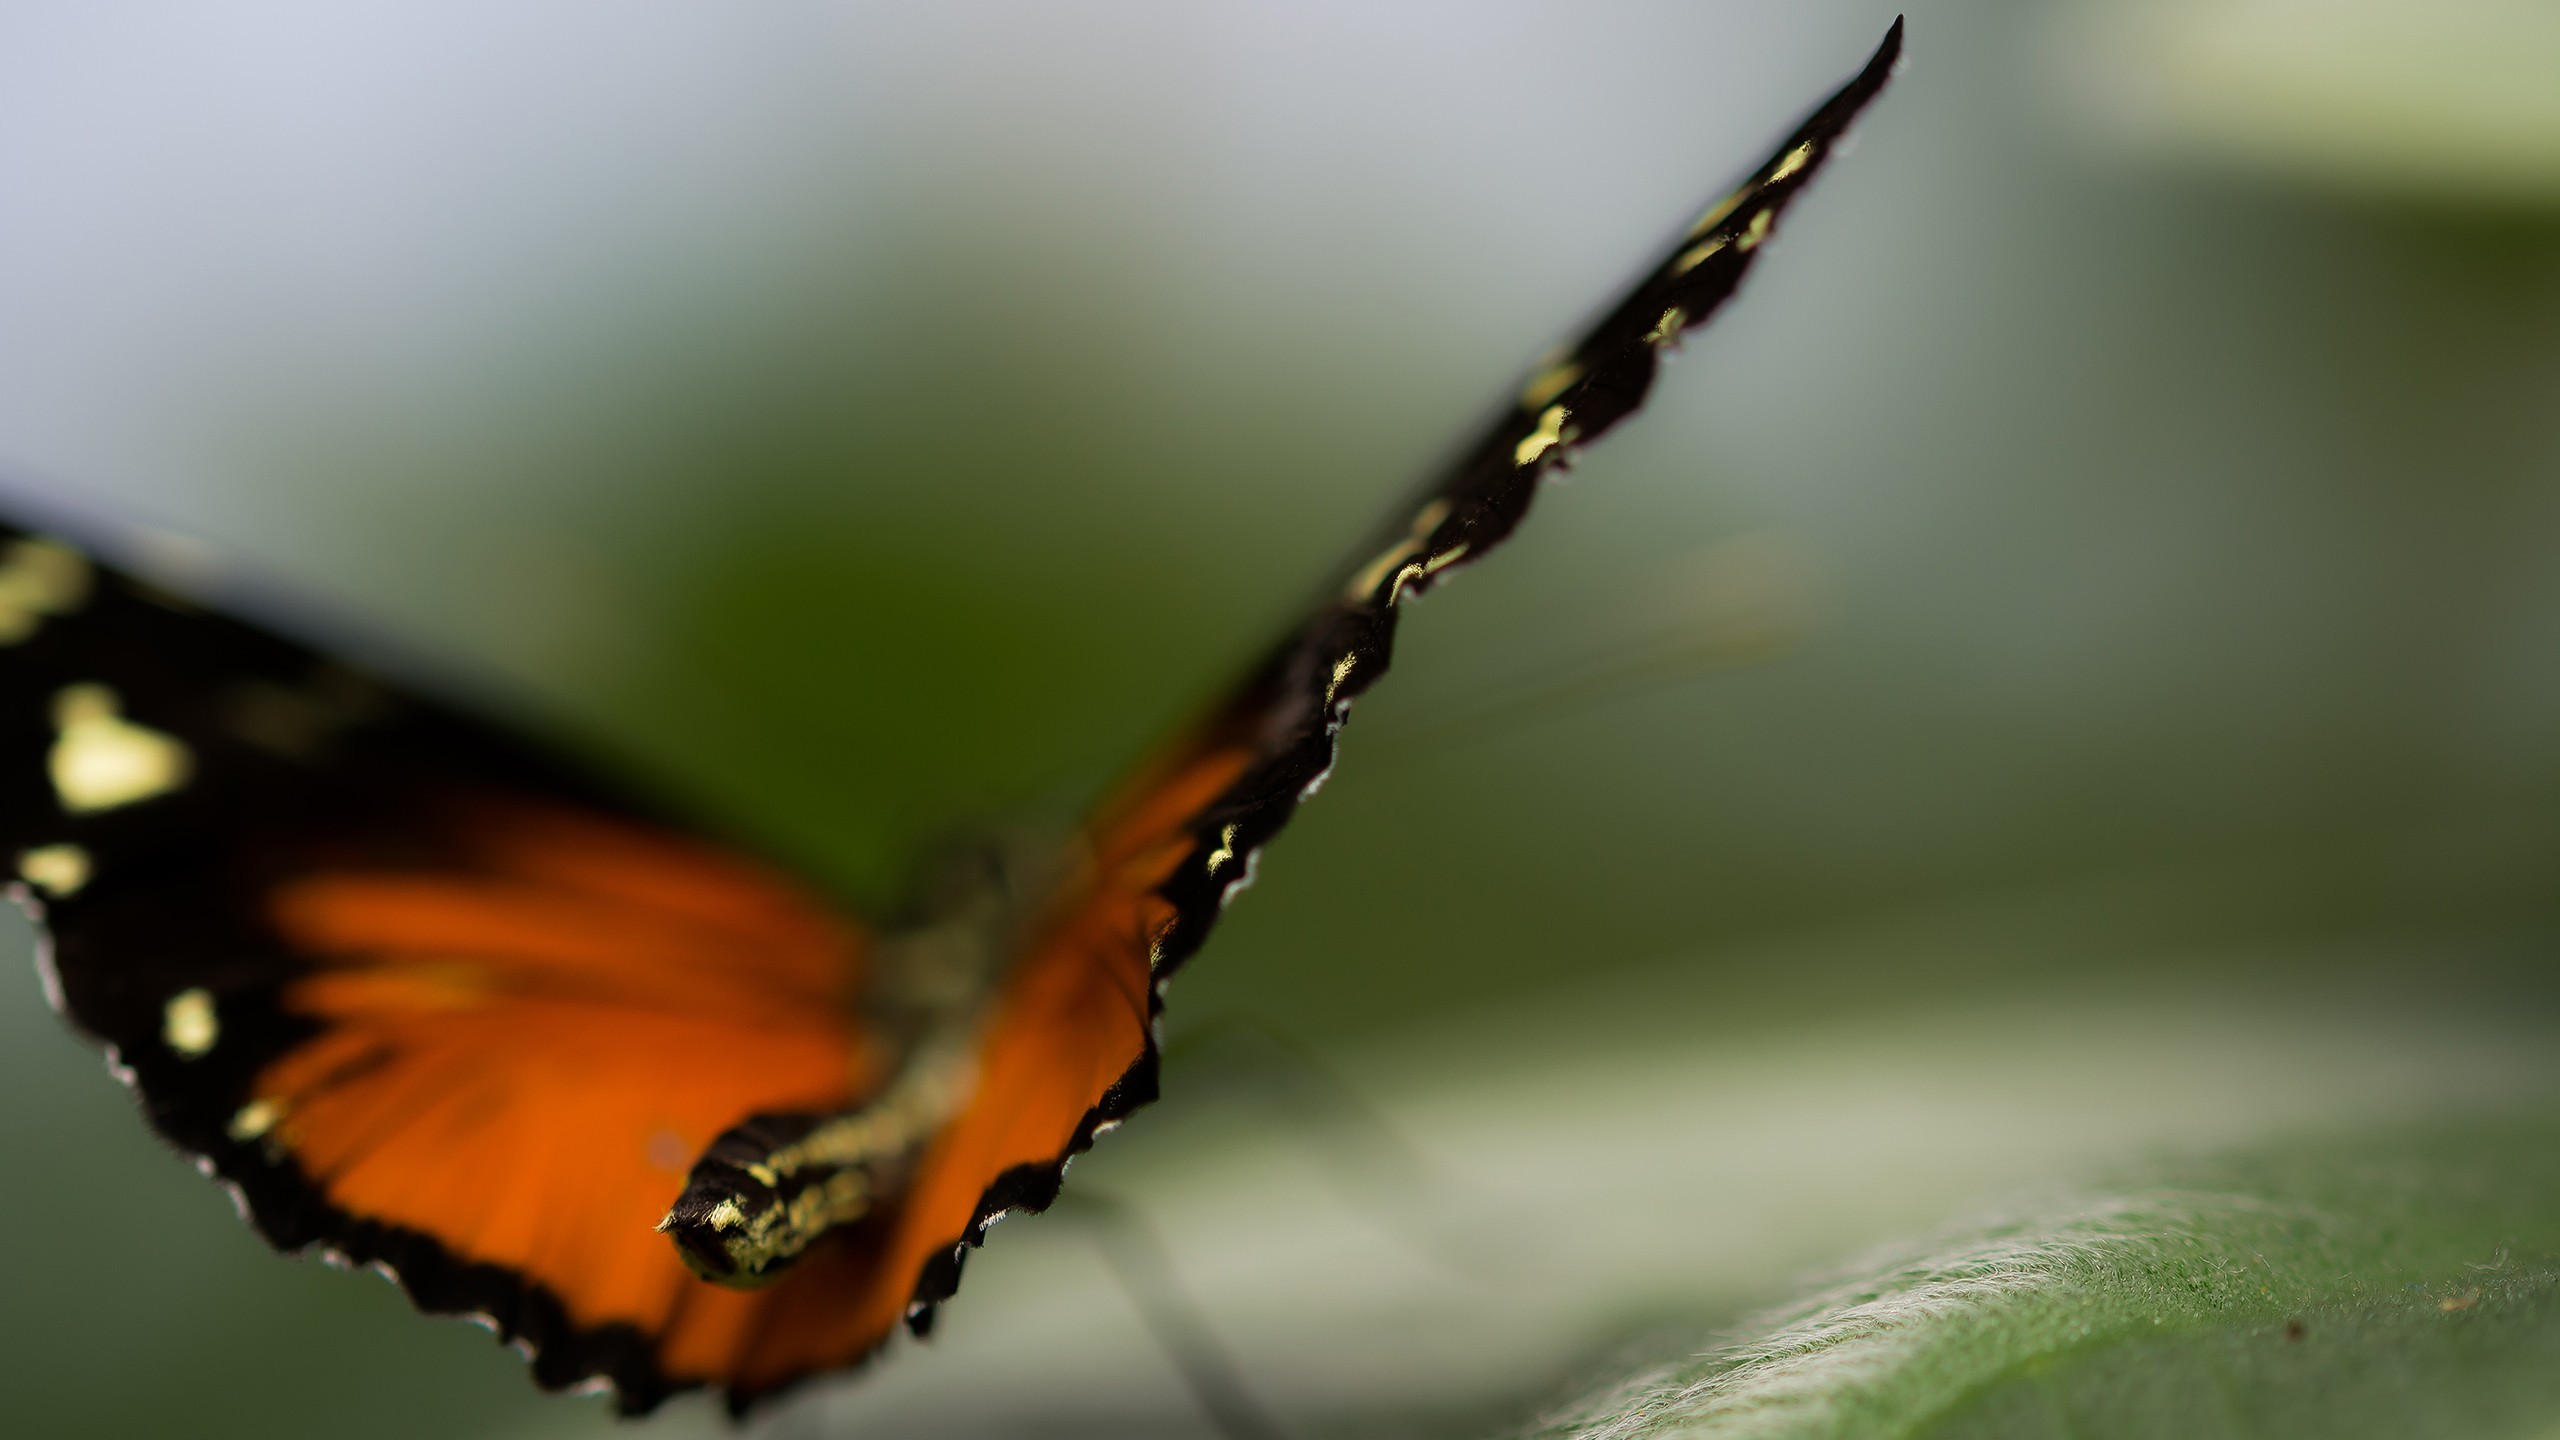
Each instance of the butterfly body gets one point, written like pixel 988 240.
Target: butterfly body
pixel 431 999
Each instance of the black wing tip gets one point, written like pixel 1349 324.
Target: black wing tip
pixel 1887 61
pixel 1835 114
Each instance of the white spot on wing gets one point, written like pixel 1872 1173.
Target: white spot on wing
pixel 101 760
pixel 1696 255
pixel 59 869
pixel 1417 536
pixel 254 1119
pixel 1549 434
pixel 188 1025
pixel 1717 212
pixel 1551 381
pixel 1225 852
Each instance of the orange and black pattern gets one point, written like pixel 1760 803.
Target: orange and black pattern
pixel 429 999
pixel 425 998
pixel 1183 837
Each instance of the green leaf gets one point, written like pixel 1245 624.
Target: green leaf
pixel 2401 1285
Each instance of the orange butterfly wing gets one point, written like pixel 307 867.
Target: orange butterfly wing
pixel 523 1059
pixel 430 1002
pixel 427 999
pixel 1070 1047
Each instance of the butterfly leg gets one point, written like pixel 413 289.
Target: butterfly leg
pixel 1371 1165
pixel 1145 1270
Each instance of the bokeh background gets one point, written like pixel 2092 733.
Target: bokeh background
pixel 2107 563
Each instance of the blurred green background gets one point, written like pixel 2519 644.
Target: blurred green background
pixel 2124 513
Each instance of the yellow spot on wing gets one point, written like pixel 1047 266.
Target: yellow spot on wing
pixel 38 578
pixel 1372 575
pixel 1226 850
pixel 1717 212
pixel 1759 230
pixel 1797 159
pixel 1668 328
pixel 58 869
pixel 1696 255
pixel 1342 669
pixel 1550 383
pixel 1412 571
pixel 188 1024
pixel 1549 434
pixel 254 1119
pixel 101 760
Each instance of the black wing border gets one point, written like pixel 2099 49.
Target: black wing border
pixel 1292 707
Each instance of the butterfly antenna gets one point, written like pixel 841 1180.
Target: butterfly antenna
pixel 1742 602
pixel 1145 1270
pixel 1587 686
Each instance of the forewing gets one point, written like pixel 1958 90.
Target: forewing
pixel 427 999
pixel 1071 1049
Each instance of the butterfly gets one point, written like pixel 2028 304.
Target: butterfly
pixel 429 998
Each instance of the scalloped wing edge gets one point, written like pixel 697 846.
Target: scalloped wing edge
pixel 1299 699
